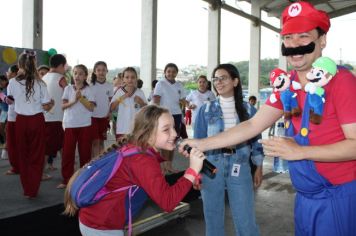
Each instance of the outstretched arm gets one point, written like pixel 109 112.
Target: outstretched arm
pixel 263 119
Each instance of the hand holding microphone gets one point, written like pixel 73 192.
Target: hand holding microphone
pixel 208 168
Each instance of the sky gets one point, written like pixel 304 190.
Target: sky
pixel 87 31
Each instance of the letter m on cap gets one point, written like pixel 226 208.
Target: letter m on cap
pixel 294 9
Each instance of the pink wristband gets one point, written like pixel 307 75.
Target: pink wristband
pixel 193 173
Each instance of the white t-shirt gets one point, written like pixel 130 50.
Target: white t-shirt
pixel 11 114
pixel 198 99
pixel 229 112
pixel 77 115
pixel 102 95
pixel 127 110
pixel 52 80
pixel 170 95
pixel 32 105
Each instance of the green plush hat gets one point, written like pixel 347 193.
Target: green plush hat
pixel 327 64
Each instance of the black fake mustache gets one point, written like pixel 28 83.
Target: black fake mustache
pixel 301 50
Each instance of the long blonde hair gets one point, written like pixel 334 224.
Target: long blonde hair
pixel 145 127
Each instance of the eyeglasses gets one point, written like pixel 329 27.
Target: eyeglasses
pixel 219 79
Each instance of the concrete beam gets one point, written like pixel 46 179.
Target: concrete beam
pixel 243 14
pixel 343 11
pixel 255 20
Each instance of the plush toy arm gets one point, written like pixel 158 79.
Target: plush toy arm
pixel 310 87
pixel 296 85
pixel 273 98
pixel 320 91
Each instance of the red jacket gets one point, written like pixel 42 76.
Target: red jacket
pixel 142 170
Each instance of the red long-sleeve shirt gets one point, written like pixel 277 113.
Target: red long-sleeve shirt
pixel 142 170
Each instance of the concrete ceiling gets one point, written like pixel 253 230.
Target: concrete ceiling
pixel 334 8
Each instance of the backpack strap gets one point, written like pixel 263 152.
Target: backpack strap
pixel 131 194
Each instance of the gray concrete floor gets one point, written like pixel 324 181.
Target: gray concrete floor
pixel 274 202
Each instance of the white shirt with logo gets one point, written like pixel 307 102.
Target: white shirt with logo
pixel 55 91
pixel 198 99
pixel 77 115
pixel 127 110
pixel 102 95
pixel 170 95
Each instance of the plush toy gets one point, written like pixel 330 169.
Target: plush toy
pixel 323 70
pixel 284 89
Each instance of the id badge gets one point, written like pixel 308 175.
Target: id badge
pixel 235 170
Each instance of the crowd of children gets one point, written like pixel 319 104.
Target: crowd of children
pixel 42 103
pixel 53 113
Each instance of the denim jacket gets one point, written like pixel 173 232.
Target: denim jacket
pixel 209 122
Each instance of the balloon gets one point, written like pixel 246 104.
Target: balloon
pixel 45 58
pixel 9 56
pixel 52 52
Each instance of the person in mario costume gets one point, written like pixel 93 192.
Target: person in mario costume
pixel 284 90
pixel 322 158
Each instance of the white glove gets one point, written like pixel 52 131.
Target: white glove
pixel 296 85
pixel 310 87
pixel 273 98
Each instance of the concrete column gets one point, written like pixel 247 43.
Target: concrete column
pixel 214 31
pixel 282 60
pixel 148 43
pixel 32 23
pixel 255 51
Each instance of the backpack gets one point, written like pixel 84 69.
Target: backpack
pixel 89 186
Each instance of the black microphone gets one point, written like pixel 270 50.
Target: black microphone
pixel 208 168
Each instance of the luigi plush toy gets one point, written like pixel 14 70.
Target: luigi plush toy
pixel 323 70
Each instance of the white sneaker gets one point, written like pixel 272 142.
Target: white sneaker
pixel 4 155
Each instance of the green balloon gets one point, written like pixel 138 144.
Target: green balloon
pixel 52 52
pixel 45 59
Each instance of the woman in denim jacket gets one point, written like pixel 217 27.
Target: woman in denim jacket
pixel 232 162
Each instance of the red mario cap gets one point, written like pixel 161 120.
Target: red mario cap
pixel 302 17
pixel 275 73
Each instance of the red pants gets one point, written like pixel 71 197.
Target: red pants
pixel 72 136
pixel 99 128
pixel 54 137
pixel 11 147
pixel 188 117
pixel 30 145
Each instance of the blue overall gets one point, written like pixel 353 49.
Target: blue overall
pixel 316 101
pixel 288 100
pixel 321 208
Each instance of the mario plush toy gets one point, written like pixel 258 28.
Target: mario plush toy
pixel 284 89
pixel 322 72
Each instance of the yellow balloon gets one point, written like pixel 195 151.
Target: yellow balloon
pixel 9 56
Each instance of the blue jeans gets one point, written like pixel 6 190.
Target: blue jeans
pixel 240 194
